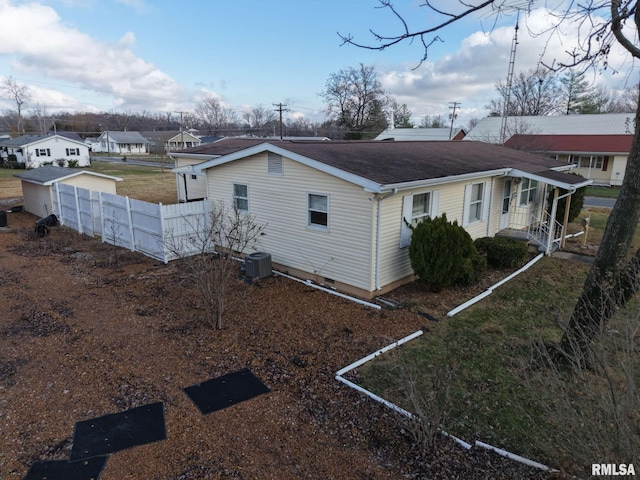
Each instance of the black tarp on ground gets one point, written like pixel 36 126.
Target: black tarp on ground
pixel 225 391
pixel 64 470
pixel 118 431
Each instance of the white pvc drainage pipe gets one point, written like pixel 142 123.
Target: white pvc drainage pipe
pixel 490 290
pixel 328 290
pixel 408 414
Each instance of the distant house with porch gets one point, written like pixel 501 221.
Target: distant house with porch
pixel 122 143
pixel 601 158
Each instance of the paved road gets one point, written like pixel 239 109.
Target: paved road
pixel 599 202
pixel 166 163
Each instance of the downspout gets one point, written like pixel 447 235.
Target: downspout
pixel 378 234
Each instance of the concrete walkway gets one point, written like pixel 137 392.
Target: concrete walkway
pixel 576 257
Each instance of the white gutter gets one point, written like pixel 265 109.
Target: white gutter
pixel 443 180
pixel 378 234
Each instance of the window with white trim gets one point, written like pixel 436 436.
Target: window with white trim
pixel 476 203
pixel 318 211
pixel 72 151
pixel 528 191
pixel 241 197
pixel 43 152
pixel 416 208
pixel 589 162
pixel 421 206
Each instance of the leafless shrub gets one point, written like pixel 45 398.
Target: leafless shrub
pixel 594 401
pixel 430 404
pixel 210 255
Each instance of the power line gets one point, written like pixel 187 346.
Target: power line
pixel 280 109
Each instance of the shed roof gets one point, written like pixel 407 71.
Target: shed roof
pixel 418 134
pixel 382 165
pixel 601 144
pixel 49 174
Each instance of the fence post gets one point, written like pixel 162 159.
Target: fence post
pixel 165 254
pixel 102 216
pixel 130 221
pixel 78 217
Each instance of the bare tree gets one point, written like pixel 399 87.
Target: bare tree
pixel 356 100
pixel 612 280
pixel 259 119
pixel 435 121
pixel 214 115
pixel 18 94
pixel 210 255
pixel 533 92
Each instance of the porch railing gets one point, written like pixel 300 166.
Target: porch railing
pixel 545 231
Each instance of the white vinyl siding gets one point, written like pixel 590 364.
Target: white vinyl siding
pixel 343 253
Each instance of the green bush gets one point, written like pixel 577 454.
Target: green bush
pixel 442 253
pixel 73 163
pixel 502 252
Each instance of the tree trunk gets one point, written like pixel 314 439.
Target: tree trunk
pixel 612 279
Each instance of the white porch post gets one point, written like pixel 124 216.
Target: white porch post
pixel 552 221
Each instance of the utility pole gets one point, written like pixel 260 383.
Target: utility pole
pixel 280 109
pixel 453 106
pixel 181 129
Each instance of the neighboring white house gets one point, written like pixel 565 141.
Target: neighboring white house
pixel 93 143
pixel 36 150
pixel 38 191
pixel 122 143
pixel 421 134
pixel 337 212
pixel 489 129
pixel 181 141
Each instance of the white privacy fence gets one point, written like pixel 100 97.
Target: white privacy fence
pixel 158 231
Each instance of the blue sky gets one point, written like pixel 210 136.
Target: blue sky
pixel 164 55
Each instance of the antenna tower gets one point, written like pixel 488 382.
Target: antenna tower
pixel 512 62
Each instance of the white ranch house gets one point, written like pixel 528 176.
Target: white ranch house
pixel 35 150
pixel 336 212
pixel 122 143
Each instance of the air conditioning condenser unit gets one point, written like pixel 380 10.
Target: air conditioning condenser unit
pixel 258 265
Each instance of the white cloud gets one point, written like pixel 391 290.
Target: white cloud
pixel 39 43
pixel 470 74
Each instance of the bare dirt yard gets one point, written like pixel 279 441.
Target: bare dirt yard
pixel 89 330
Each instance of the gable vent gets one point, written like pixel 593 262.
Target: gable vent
pixel 274 164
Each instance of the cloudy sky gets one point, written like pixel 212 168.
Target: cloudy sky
pixel 165 55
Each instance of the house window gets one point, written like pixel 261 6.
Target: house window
pixel 420 208
pixel 73 151
pixel 318 208
pixel 589 162
pixel 475 203
pixel 43 152
pixel 416 208
pixel 528 190
pixel 274 164
pixel 241 197
pixel 194 177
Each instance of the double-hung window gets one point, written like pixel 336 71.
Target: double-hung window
pixel 318 211
pixel 43 152
pixel 73 151
pixel 420 207
pixel 528 190
pixel 241 197
pixel 476 203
